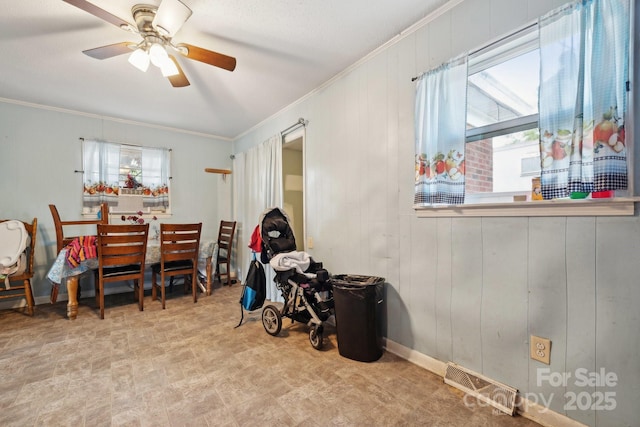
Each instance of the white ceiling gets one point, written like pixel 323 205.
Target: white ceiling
pixel 284 50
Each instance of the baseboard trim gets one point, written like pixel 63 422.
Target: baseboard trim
pixel 429 363
pixel 46 299
pixel 526 408
pixel 14 303
pixel 90 292
pixel 543 416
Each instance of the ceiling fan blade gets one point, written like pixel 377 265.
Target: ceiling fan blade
pixel 170 17
pixel 100 13
pixel 179 80
pixel 104 52
pixel 207 56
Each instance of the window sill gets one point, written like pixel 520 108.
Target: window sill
pixel 114 217
pixel 622 206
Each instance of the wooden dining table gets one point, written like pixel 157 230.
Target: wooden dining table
pixel 61 272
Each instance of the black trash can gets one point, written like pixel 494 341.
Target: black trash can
pixel 358 308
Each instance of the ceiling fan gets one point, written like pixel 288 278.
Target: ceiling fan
pixel 156 25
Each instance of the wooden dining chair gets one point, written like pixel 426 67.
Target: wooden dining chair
pixel 179 244
pixel 24 289
pixel 121 253
pixel 225 241
pixel 63 240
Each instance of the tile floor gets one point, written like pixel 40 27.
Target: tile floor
pixel 188 366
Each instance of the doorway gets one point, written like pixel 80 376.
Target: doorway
pixel 293 184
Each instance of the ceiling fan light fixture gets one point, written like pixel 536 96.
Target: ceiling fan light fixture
pixel 158 54
pixel 169 68
pixel 156 25
pixel 170 16
pixel 139 59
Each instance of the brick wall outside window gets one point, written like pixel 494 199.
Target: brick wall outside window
pixel 479 166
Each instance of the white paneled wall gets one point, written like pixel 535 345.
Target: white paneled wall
pixel 469 290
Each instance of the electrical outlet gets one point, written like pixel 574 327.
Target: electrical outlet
pixel 310 242
pixel 540 349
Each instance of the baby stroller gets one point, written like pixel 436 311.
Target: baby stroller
pixel 304 284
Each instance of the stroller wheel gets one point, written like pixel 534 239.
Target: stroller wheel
pixel 316 337
pixel 271 320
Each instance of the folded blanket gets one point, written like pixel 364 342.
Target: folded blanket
pixel 80 249
pixel 300 261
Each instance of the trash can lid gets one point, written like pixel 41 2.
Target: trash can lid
pixel 356 279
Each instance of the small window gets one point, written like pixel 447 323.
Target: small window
pixel 530 166
pixel 130 175
pixel 128 178
pixel 502 150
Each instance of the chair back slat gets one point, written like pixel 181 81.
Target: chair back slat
pixel 111 249
pixel 182 228
pixel 178 256
pixel 123 239
pixel 182 246
pixel 115 255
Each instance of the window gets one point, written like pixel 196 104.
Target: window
pixel 502 151
pixel 128 178
pixel 538 104
pixel 130 173
pixel 530 166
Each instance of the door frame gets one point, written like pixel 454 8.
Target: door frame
pixel 288 140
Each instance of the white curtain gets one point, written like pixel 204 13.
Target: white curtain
pixel 101 164
pixel 155 176
pixel 257 185
pixel 584 61
pixel 440 117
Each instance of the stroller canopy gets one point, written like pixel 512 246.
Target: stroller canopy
pixel 276 233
